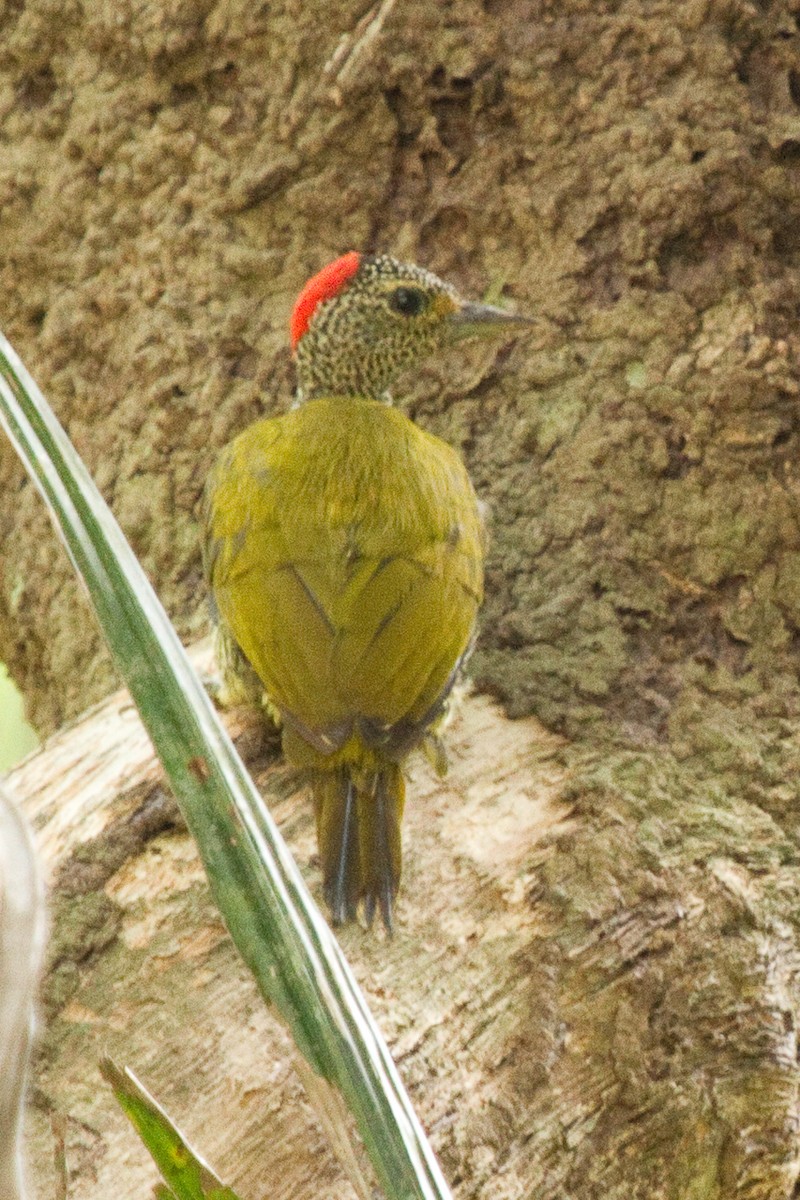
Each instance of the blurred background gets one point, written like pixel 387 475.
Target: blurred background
pixel 16 736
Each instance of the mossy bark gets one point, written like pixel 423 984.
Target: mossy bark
pixel 171 174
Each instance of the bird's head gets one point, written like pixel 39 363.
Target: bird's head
pixel 361 320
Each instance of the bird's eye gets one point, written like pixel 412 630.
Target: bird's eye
pixel 409 302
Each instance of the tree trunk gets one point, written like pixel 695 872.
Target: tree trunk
pixel 593 993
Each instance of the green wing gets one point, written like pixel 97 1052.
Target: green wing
pixel 344 550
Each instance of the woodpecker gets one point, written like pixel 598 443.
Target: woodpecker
pixel 343 549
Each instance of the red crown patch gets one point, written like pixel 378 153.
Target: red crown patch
pixel 326 283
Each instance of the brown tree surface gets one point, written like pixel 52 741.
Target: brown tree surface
pixel 171 172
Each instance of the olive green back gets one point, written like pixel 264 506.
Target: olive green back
pixel 344 549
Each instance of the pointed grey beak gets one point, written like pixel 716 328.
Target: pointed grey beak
pixel 471 319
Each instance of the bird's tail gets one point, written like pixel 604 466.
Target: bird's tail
pixel 358 831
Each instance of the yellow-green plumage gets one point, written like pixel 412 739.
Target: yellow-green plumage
pixel 344 551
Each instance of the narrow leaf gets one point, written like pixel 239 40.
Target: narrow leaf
pixel 273 920
pixel 185 1173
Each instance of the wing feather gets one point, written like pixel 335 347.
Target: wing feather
pixel 353 598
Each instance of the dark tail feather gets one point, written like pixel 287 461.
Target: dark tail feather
pixel 358 831
pixel 379 815
pixel 337 836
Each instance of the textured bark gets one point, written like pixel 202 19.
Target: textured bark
pixel 140 964
pixel 173 171
pixel 605 1010
pixel 592 992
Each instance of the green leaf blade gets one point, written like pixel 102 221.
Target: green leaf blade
pixel 256 883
